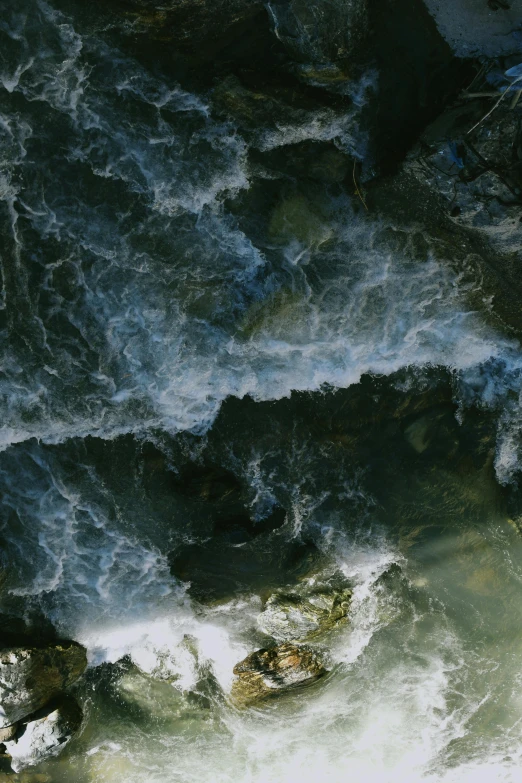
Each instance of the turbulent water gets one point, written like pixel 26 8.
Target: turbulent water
pixel 170 301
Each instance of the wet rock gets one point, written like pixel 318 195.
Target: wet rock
pixel 308 160
pixel 477 171
pixel 268 672
pixel 297 616
pixel 320 30
pixel 189 23
pixel 490 276
pixel 30 676
pixel 329 76
pixel 256 109
pixel 479 27
pixel 46 735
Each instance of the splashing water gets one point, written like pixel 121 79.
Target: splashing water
pixel 141 290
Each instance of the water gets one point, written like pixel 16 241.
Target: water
pixel 220 375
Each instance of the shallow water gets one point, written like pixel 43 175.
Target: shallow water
pixel 219 378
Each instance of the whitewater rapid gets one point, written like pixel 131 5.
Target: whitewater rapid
pixel 143 297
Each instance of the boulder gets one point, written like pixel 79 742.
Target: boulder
pixel 30 676
pixel 476 170
pixel 8 733
pixel 293 616
pixel 320 31
pixel 46 735
pixel 268 672
pixel 479 27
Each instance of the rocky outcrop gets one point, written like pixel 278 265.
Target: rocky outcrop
pixel 293 616
pixel 268 672
pixel 479 27
pixel 31 676
pixel 45 735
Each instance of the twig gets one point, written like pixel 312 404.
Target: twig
pixel 480 94
pixel 518 79
pixel 516 98
pixel 357 187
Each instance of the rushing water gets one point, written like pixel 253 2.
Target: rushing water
pixel 190 334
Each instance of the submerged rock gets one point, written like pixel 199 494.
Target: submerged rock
pixel 268 672
pixel 295 218
pixel 30 676
pixel 221 568
pixel 291 616
pixel 46 735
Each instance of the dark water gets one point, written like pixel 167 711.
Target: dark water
pixel 219 375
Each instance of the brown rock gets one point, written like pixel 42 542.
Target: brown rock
pixel 268 672
pixel 8 733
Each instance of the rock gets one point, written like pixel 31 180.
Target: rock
pixel 418 75
pixel 320 31
pixel 189 23
pixel 268 672
pixel 291 616
pixel 256 110
pixel 479 27
pixel 46 735
pixel 309 160
pixel 8 733
pixel 30 676
pixel 281 115
pixel 477 172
